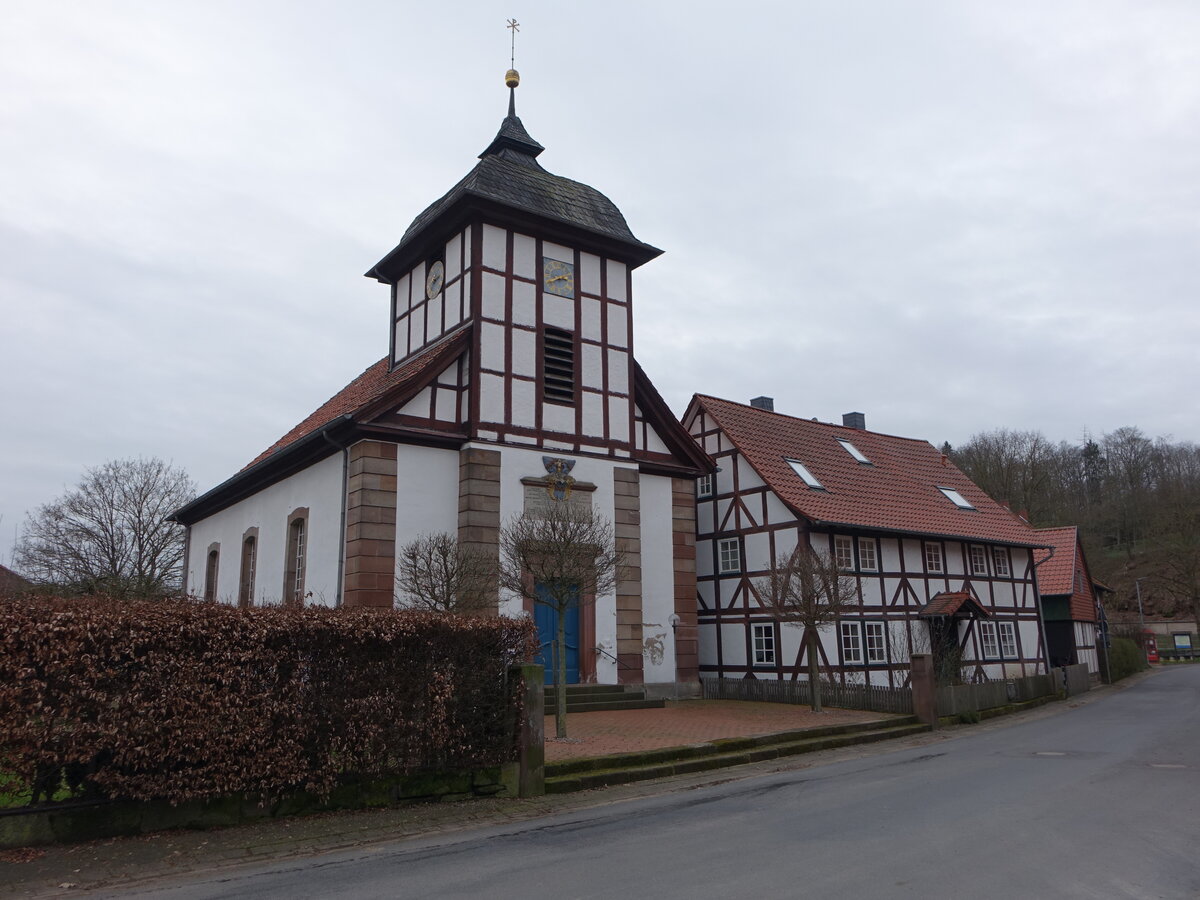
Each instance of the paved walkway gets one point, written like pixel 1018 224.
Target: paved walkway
pixel 682 723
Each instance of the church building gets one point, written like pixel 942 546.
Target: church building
pixel 510 375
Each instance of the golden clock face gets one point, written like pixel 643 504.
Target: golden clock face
pixel 435 279
pixel 558 277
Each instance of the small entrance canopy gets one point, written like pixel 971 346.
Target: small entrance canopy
pixel 954 604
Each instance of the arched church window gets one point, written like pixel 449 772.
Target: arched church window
pixel 210 572
pixel 249 567
pixel 293 578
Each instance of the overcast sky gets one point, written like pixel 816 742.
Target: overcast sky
pixel 953 216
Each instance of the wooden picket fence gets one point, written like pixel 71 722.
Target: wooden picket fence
pixel 873 698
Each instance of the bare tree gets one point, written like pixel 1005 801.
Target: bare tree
pixel 807 590
pixel 111 533
pixel 562 555
pixel 438 574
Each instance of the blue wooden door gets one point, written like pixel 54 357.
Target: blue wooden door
pixel 546 618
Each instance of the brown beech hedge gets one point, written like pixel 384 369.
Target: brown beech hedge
pixel 185 700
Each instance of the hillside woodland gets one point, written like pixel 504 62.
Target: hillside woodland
pixel 1135 500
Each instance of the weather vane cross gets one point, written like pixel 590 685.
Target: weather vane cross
pixel 514 26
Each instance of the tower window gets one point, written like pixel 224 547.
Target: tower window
pixel 558 366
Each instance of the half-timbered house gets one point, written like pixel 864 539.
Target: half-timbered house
pixel 939 566
pixel 1070 601
pixel 510 377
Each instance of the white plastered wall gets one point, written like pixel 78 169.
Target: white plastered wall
pixel 658 580
pixel 426 492
pixel 319 488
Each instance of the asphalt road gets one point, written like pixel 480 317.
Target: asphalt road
pixel 1098 802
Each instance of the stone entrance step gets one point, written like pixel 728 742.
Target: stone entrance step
pixel 596 697
pixel 600 771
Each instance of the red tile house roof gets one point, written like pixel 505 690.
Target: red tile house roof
pixel 1056 576
pixel 898 490
pixel 371 385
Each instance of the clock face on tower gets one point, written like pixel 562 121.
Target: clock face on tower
pixel 435 279
pixel 558 277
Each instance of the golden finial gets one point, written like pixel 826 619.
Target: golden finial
pixel 511 77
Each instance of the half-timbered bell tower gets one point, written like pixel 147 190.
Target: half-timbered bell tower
pixel 530 274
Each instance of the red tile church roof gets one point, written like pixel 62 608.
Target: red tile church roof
pixel 370 386
pixel 897 492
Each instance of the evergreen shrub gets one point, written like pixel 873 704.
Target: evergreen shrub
pixel 1125 658
pixel 183 700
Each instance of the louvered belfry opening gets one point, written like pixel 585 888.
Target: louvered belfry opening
pixel 558 366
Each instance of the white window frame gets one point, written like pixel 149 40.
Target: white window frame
pixel 989 645
pixel 854 451
pixel 1007 633
pixel 729 556
pixel 875 643
pixel 956 498
pixel 979 564
pixel 850 640
pixel 868 555
pixel 1001 562
pixel 934 562
pixel 806 476
pixel 762 643
pixel 704 486
pixel 843 552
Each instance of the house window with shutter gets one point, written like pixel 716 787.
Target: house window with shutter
pixel 558 366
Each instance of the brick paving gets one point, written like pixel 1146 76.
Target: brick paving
pixel 685 722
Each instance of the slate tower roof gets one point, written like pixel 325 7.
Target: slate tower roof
pixel 509 180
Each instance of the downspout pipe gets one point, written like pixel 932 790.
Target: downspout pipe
pixel 345 450
pixel 1037 596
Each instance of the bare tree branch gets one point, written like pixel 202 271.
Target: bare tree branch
pixel 111 532
pixel 807 590
pixel 437 574
pixel 561 556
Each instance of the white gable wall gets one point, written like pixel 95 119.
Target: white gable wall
pixel 319 488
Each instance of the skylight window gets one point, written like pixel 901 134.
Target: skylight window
pixel 853 451
pixel 806 476
pixel 956 498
